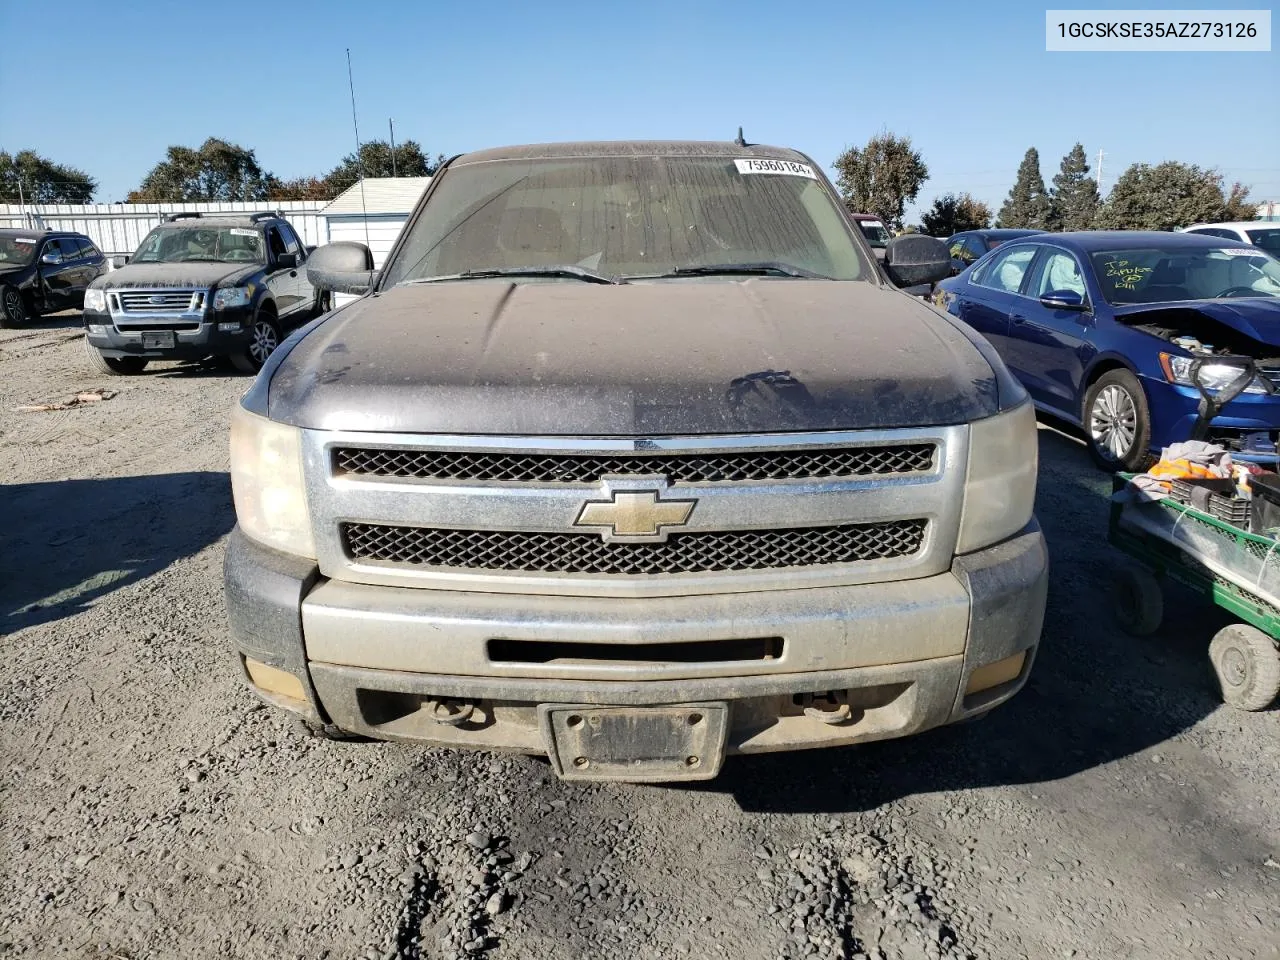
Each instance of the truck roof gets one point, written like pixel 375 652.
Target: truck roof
pixel 631 148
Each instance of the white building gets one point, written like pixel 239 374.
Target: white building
pixel 373 211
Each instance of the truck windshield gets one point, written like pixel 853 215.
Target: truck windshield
pixel 224 244
pixel 624 217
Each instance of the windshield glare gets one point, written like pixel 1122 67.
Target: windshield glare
pixel 1155 275
pixel 224 244
pixel 17 250
pixel 624 217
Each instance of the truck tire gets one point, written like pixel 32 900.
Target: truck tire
pixel 113 366
pixel 13 309
pixel 1117 422
pixel 1138 601
pixel 1247 664
pixel 266 337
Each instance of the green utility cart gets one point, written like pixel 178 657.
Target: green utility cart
pixel 1237 570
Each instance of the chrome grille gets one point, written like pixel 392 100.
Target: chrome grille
pixel 492 550
pixel 809 463
pixel 161 301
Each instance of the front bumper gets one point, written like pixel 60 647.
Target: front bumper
pixel 379 660
pixel 218 333
pixel 1174 410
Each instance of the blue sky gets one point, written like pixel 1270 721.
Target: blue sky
pixel 971 84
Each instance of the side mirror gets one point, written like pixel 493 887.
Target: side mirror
pixel 1063 300
pixel 53 259
pixel 341 267
pixel 119 261
pixel 287 261
pixel 914 259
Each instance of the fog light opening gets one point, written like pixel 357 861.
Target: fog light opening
pixel 282 683
pixel 994 674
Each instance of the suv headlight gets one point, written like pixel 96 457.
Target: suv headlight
pixel 230 297
pixel 95 300
pixel 1000 488
pixel 1214 376
pixel 267 485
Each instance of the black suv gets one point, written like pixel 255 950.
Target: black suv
pixel 43 271
pixel 226 285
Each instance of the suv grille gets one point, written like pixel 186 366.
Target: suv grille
pixel 161 301
pixel 691 468
pixel 588 554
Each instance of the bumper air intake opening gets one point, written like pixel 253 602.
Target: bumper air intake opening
pixel 634 654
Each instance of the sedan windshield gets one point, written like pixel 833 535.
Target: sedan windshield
pixel 628 217
pixel 17 250
pixel 1170 275
pixel 223 244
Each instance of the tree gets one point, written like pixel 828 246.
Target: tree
pixel 26 175
pixel 375 158
pixel 300 188
pixel 1075 200
pixel 952 214
pixel 1238 206
pixel 1167 196
pixel 1027 206
pixel 217 171
pixel 882 177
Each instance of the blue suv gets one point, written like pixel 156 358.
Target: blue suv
pixel 1102 328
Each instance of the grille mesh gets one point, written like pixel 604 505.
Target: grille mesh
pixel 691 468
pixel 587 554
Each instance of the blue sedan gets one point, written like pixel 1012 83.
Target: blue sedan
pixel 1102 329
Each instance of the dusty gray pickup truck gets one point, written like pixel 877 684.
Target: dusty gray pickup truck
pixel 633 456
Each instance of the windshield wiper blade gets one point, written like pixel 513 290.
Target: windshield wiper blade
pixel 761 268
pixel 577 273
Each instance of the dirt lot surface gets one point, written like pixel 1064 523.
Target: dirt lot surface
pixel 150 808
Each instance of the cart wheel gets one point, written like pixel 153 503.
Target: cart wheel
pixel 1139 601
pixel 1247 663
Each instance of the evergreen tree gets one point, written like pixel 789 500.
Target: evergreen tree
pixel 1028 204
pixel 1075 200
pixel 1169 195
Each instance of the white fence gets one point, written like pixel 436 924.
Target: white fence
pixel 118 228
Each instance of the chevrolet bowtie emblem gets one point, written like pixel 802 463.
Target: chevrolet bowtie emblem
pixel 634 515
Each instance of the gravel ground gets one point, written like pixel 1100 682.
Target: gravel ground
pixel 150 808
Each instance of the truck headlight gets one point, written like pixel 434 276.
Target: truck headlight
pixel 267 485
pixel 95 300
pixel 1000 488
pixel 1214 376
pixel 230 297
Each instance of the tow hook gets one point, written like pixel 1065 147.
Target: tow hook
pixel 831 707
pixel 449 711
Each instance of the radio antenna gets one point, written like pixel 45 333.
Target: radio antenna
pixel 740 142
pixel 359 159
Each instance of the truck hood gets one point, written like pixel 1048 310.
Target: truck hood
pixel 191 275
pixel 642 359
pixel 1255 317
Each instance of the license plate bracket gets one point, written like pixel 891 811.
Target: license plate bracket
pixel 658 743
pixel 158 339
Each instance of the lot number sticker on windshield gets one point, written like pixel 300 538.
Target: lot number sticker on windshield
pixel 239 232
pixel 1239 252
pixel 787 168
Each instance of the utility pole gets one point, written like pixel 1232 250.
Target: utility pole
pixel 392 124
pixel 1100 155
